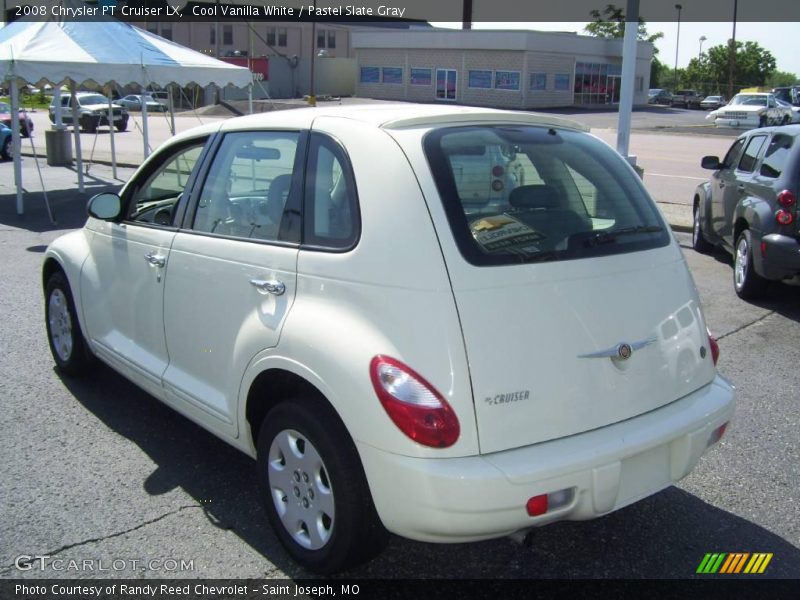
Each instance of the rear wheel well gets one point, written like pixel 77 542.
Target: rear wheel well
pixel 272 387
pixel 738 228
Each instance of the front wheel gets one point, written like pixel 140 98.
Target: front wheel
pixel 748 284
pixel 699 243
pixel 313 485
pixel 67 345
pixel 786 120
pixel 122 125
pixel 762 121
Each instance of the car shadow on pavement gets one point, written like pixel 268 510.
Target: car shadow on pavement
pixel 664 536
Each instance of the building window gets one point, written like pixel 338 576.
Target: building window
pixel 639 83
pixel 370 75
pixel 538 82
pixel 282 37
pixel 480 79
pixel 561 82
pixel 270 36
pixel 446 84
pixel 392 75
pixel 421 77
pixel 227 35
pixel 506 80
pixel 212 38
pixel 321 36
pixel 597 83
pixel 331 39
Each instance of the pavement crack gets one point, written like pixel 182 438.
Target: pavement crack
pixel 746 325
pixel 9 568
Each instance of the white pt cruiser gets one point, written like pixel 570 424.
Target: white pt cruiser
pixel 451 324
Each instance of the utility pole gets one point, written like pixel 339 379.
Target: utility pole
pixel 677 45
pixel 732 53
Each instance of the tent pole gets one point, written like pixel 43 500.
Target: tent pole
pixel 250 99
pixel 59 124
pixel 144 123
pixel 76 131
pixel 15 144
pixel 111 132
pixel 171 109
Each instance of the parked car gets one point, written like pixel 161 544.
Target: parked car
pixel 134 102
pixel 6 147
pixel 795 110
pixel 659 96
pixel 749 208
pixel 712 102
pixel 749 110
pixel 790 94
pixel 25 122
pixel 92 112
pixel 538 353
pixel 686 98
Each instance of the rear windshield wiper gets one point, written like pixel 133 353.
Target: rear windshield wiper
pixel 609 237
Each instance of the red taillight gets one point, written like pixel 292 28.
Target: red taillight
pixel 712 343
pixel 787 199
pixel 413 404
pixel 784 217
pixel 537 505
pixel 716 435
pixel 498 171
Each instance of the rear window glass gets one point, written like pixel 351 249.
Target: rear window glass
pixel 525 194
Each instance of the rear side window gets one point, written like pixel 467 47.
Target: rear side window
pixel 525 194
pixel 330 213
pixel 776 155
pixel 750 157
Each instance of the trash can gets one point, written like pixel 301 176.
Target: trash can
pixel 59 147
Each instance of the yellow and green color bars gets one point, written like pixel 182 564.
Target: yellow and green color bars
pixel 725 563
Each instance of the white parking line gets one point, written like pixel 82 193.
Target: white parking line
pixel 676 176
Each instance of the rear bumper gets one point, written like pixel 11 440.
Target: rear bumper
pixel 781 260
pixel 481 497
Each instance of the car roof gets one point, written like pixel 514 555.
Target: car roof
pixel 384 116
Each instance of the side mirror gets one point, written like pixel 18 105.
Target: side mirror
pixel 711 162
pixel 106 206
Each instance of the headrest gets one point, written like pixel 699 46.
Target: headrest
pixel 534 196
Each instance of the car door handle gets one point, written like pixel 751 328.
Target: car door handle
pixel 157 260
pixel 274 287
pixel 740 187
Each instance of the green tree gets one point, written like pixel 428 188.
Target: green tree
pixel 710 72
pixel 782 79
pixel 610 23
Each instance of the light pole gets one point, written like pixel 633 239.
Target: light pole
pixel 677 45
pixel 702 39
pixel 732 52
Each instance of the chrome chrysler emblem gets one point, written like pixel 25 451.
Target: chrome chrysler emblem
pixel 624 351
pixel 621 351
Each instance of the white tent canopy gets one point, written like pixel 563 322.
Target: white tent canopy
pixel 100 52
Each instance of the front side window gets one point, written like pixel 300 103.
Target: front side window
pixel 732 156
pixel 155 200
pixel 246 191
pixel 525 194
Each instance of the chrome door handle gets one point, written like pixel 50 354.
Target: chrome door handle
pixel 274 287
pixel 157 260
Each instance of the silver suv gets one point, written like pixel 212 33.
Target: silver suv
pixel 92 112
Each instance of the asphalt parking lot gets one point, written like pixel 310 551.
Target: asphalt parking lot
pixel 95 469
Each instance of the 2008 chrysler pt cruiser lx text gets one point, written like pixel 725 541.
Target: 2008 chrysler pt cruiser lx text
pixel 447 323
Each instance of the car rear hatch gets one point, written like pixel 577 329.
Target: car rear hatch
pixel 576 306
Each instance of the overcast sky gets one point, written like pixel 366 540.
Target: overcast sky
pixel 781 39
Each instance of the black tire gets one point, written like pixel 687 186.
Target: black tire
pixel 122 125
pixel 762 121
pixel 786 120
pixel 293 435
pixel 24 131
pixel 7 150
pixel 699 242
pixel 70 351
pixel 748 284
pixel 88 124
